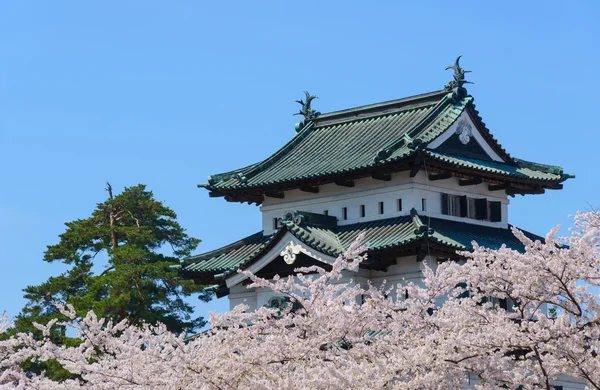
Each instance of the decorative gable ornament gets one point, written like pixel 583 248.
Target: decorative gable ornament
pixel 290 217
pixel 290 252
pixel 306 111
pixel 455 86
pixel 464 131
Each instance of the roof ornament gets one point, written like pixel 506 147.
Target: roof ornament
pixel 306 111
pixel 290 252
pixel 456 85
pixel 291 217
pixel 464 131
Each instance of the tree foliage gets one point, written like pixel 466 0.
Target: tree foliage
pixel 451 331
pixel 137 239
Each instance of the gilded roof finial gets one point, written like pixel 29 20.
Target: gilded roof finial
pixel 306 111
pixel 456 85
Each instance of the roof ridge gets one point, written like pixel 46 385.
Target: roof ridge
pixel 376 108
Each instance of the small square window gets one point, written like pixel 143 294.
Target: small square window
pixel 399 204
pixel 380 207
pixel 424 204
pixel 275 227
pixel 344 213
pixel 362 210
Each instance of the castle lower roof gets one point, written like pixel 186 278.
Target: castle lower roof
pixel 409 234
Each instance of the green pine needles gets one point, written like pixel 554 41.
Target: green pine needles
pixel 134 240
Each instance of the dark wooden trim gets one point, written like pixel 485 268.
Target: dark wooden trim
pixel 416 167
pixel 440 176
pixel 498 187
pixel 311 189
pixel 214 194
pixel 470 182
pixel 222 291
pixel 344 182
pixel 522 191
pixel 374 266
pixel 381 176
pixel 275 194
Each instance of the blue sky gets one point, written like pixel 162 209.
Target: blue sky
pixel 167 93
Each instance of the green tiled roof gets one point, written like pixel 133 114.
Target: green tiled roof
pixel 228 257
pixel 330 147
pixel 521 170
pixel 365 139
pixel 380 235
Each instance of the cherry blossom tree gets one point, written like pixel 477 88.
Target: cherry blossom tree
pixel 498 319
pixel 4 322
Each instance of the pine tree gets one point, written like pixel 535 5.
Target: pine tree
pixel 138 240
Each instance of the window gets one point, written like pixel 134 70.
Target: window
pixel 325 212
pixel 399 203
pixel 362 210
pixel 424 204
pixel 495 211
pixel 275 224
pixel 380 207
pixel 344 213
pixel 473 208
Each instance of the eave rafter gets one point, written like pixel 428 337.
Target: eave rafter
pixel 311 189
pixel 381 176
pixel 275 194
pixel 440 176
pixel 344 182
pixel 436 171
pixel 470 182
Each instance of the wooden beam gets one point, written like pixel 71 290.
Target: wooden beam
pixel 416 167
pixel 440 176
pixel 470 182
pixel 345 183
pixel 275 194
pixel 522 191
pixel 497 187
pixel 381 176
pixel 250 198
pixel 213 194
pixel 311 189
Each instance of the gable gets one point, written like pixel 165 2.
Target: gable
pixel 287 247
pixel 463 138
pixel 279 266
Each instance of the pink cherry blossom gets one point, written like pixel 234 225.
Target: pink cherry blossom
pixel 484 322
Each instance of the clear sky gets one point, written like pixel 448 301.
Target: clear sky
pixel 167 93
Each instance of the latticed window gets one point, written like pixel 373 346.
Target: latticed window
pixel 473 208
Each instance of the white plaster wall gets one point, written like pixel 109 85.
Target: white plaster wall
pixel 240 294
pixel 370 192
